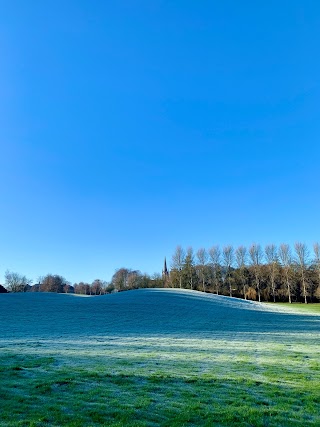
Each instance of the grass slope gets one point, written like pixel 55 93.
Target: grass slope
pixel 156 358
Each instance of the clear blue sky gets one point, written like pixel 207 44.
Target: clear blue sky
pixel 129 127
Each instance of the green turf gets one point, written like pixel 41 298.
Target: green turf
pixel 234 364
pixel 303 308
pixel 163 383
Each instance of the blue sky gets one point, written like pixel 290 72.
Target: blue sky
pixel 129 127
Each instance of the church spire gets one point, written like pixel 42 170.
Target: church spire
pixel 165 272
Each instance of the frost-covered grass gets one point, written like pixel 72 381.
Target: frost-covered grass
pixel 156 358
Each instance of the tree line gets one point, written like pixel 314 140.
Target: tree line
pixel 264 274
pixel 259 273
pixel 123 279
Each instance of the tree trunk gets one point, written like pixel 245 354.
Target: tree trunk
pixel 304 288
pixel 288 286
pixel 258 288
pixel 273 290
pixel 244 285
pixel 230 287
pixel 289 293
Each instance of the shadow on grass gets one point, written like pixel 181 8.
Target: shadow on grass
pixel 40 394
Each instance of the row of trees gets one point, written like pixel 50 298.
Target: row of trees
pixel 15 282
pixel 123 279
pixel 270 274
pixel 265 274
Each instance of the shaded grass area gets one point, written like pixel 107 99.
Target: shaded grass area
pixel 161 382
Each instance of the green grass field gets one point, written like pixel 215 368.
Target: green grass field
pixel 303 308
pixel 147 358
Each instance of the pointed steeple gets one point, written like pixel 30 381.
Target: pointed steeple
pixel 165 272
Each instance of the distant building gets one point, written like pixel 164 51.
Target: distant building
pixel 165 274
pixel 68 289
pixel 3 290
pixel 34 288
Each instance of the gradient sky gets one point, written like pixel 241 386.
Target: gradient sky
pixel 129 127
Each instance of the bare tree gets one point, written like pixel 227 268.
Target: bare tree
pixel 241 259
pixel 302 257
pixel 286 261
pixel 16 282
pixel 316 250
pixel 256 256
pixel 215 258
pixel 228 260
pixel 178 259
pixel 189 269
pixel 120 279
pixel 53 283
pixel 202 259
pixel 96 287
pixel 82 288
pixel 272 260
pixel 134 279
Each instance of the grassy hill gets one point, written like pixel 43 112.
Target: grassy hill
pixel 156 358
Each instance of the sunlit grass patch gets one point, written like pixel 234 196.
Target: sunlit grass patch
pixel 299 307
pixel 246 391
